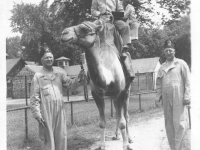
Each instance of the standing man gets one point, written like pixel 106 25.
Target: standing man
pixel 173 87
pixel 47 103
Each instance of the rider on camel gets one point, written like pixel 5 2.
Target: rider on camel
pixel 103 9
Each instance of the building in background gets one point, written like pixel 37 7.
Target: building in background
pixel 31 63
pixel 146 71
pixel 13 67
pixel 62 62
pixel 19 87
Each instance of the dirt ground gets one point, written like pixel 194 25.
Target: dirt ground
pixel 147 135
pixel 146 128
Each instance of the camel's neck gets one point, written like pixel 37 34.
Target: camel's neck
pixel 94 60
pixel 92 54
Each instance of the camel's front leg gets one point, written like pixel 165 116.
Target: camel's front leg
pixel 102 124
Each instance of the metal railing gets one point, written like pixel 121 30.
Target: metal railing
pixel 78 111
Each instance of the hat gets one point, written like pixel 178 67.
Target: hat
pixel 43 50
pixel 168 44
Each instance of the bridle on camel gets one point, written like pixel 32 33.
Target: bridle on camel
pixel 81 37
pixel 85 89
pixel 78 38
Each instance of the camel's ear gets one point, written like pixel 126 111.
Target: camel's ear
pixel 84 29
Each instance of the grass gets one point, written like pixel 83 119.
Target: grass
pixel 85 130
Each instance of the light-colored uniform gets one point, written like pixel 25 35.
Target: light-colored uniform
pixel 102 6
pixel 46 102
pixel 173 83
pixel 130 14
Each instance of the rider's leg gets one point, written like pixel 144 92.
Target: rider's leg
pixel 124 31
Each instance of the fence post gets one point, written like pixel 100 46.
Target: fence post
pixel 26 120
pixel 72 117
pixel 68 94
pixel 153 80
pixel 138 81
pixel 111 100
pixel 140 105
pixel 146 81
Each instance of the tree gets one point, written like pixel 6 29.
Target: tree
pixel 176 8
pixel 74 11
pixel 183 48
pixel 40 24
pixel 152 40
pixel 179 33
pixel 37 28
pixel 150 43
pixel 13 46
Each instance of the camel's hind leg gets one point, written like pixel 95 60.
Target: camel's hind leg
pixel 126 115
pixel 121 119
pixel 102 124
pixel 117 134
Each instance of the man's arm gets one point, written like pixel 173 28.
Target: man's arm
pixel 94 9
pixel 119 7
pixel 130 14
pixel 73 84
pixel 35 100
pixel 159 86
pixel 186 80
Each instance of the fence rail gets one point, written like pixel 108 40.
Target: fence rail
pixel 78 111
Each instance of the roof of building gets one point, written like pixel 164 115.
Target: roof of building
pixel 62 58
pixel 11 63
pixel 140 65
pixel 35 69
pixel 10 56
pixel 30 62
pixel 145 64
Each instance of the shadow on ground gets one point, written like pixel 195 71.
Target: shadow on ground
pixel 80 143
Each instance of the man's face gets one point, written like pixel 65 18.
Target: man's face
pixel 169 53
pixel 47 59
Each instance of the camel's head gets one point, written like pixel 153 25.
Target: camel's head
pixel 83 34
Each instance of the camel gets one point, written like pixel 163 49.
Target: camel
pixel 105 71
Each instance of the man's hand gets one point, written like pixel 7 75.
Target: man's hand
pixel 124 19
pixel 132 25
pixel 186 102
pixel 158 99
pixel 40 120
pixel 82 77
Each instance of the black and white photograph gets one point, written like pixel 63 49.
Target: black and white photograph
pixel 100 75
